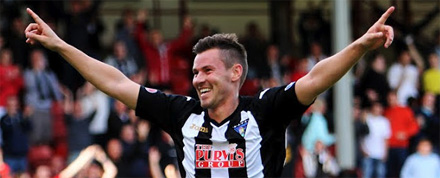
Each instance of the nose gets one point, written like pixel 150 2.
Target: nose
pixel 198 78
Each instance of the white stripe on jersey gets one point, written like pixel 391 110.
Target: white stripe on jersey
pixel 219 142
pixel 189 142
pixel 253 144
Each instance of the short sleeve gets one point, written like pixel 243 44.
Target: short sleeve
pixel 281 104
pixel 162 109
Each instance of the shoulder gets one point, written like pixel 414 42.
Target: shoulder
pixel 412 157
pixel 384 120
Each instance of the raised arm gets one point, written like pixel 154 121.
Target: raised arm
pixel 328 71
pixel 105 77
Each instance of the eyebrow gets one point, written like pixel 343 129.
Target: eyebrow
pixel 202 68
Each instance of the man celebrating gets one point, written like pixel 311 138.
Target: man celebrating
pixel 222 134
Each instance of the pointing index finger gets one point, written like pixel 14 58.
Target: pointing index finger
pixel 35 16
pixel 385 16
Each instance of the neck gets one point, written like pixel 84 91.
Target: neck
pixel 220 113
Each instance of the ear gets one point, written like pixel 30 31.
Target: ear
pixel 237 71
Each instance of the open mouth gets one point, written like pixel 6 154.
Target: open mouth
pixel 204 90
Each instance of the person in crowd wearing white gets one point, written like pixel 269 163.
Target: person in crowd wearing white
pixel 374 145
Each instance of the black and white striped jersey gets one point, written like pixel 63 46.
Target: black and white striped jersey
pixel 249 143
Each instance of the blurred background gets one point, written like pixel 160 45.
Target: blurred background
pixel 384 112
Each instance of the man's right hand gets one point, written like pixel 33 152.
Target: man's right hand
pixel 42 33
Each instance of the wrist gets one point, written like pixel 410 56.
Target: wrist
pixel 360 46
pixel 60 45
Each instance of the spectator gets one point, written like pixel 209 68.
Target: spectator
pixel 125 31
pixel 301 69
pixel 275 68
pixel 373 84
pixel 317 128
pixel 91 162
pixel 424 163
pixel 131 156
pixel 11 79
pixel 374 145
pixel 159 54
pixel 316 54
pixel 114 151
pixel 313 27
pixel 41 90
pixel 117 118
pixel 77 19
pixel 403 77
pixel 256 45
pixel 361 130
pixel 78 135
pixel 93 100
pixel 121 59
pixel 431 76
pixel 319 162
pixel 168 155
pixel 15 126
pixel 43 171
pixel 403 127
pixel 14 39
pixel 428 121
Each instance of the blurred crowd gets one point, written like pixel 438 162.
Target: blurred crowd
pixel 52 118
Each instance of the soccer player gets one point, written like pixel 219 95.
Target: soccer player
pixel 222 134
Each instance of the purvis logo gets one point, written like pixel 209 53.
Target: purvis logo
pixel 208 158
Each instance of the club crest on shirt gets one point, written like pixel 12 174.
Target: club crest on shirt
pixel 241 127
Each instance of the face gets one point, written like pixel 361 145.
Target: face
pixel 128 134
pixel 405 58
pixel 377 109
pixel 315 49
pixel 428 100
pixel 212 80
pixel 319 146
pixel 114 149
pixel 424 147
pixel 94 171
pixel 38 60
pixel 120 50
pixel 42 172
pixel 12 105
pixel 6 58
pixel 379 64
pixel 433 60
pixel 392 99
pixel 156 37
pixel 272 52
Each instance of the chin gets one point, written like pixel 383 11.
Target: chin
pixel 205 104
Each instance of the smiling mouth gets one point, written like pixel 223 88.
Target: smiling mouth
pixel 204 90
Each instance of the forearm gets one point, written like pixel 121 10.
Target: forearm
pixel 104 77
pixel 328 71
pixel 418 59
pixel 110 169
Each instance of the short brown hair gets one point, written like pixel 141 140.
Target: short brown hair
pixel 231 50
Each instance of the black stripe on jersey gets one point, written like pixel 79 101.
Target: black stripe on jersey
pixel 235 137
pixel 204 138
